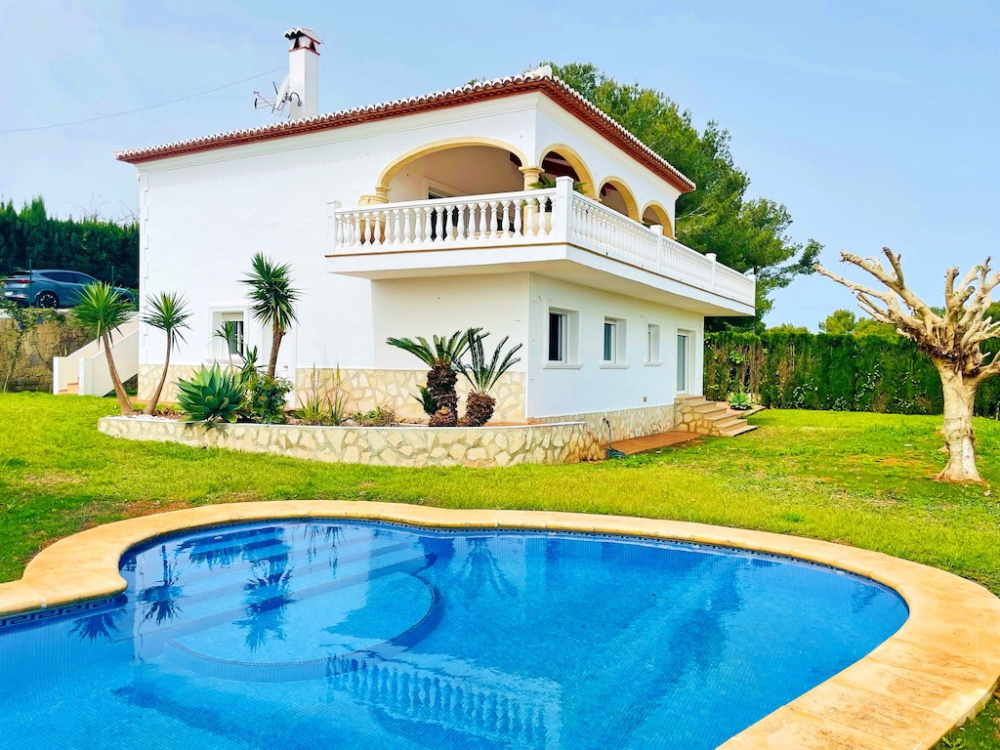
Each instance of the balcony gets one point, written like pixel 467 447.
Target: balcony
pixel 532 229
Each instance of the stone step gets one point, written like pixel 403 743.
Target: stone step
pixel 703 408
pixel 690 399
pixel 711 412
pixel 729 421
pixel 738 430
pixel 71 389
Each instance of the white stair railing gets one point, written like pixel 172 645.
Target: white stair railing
pixel 87 367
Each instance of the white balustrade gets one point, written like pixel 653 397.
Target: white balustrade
pixel 526 218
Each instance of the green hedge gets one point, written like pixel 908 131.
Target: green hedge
pixel 845 373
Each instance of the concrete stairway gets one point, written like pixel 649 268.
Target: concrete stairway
pixel 698 414
pixel 85 371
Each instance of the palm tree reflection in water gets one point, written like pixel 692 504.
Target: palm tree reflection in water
pixel 96 627
pixel 161 599
pixel 482 570
pixel 267 595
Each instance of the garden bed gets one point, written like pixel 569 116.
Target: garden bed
pixel 400 445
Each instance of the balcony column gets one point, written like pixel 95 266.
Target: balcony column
pixel 530 220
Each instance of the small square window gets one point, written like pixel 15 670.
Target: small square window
pixel 614 342
pixel 652 344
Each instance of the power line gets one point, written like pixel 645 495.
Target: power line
pixel 140 109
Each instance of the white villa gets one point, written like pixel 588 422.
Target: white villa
pixel 418 217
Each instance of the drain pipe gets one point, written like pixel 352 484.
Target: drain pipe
pixel 612 451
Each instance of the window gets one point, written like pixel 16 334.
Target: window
pixel 614 342
pixel 683 345
pixel 652 344
pixel 562 337
pixel 558 330
pixel 234 346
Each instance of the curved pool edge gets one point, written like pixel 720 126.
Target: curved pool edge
pixel 939 669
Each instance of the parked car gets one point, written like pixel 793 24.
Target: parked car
pixel 52 288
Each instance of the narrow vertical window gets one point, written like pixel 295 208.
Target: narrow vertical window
pixel 610 341
pixel 557 337
pixel 682 362
pixel 652 344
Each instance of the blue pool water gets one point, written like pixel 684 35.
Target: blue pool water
pixel 314 635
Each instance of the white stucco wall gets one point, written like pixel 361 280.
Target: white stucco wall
pixel 588 385
pixel 426 306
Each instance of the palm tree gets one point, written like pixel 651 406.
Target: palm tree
pixel 169 313
pixel 100 313
pixel 442 356
pixel 273 300
pixel 483 375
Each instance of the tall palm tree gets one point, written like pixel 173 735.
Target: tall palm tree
pixel 169 313
pixel 442 355
pixel 101 312
pixel 272 300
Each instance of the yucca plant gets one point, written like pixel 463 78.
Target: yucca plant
pixel 211 395
pixel 544 182
pixel 483 375
pixel 100 312
pixel 442 354
pixel 272 300
pixel 167 312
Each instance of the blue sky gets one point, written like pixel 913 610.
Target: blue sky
pixel 876 123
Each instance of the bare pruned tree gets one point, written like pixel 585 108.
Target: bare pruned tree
pixel 950 338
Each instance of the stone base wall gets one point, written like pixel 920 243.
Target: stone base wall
pixel 382 446
pixel 32 370
pixel 625 424
pixel 362 389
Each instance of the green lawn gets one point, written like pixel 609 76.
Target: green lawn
pixel 859 479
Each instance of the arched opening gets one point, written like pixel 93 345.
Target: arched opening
pixel 655 213
pixel 562 161
pixel 615 195
pixel 459 167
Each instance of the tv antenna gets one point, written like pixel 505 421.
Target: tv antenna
pixel 282 96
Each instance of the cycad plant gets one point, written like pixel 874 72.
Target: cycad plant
pixel 442 355
pixel 483 374
pixel 100 312
pixel 167 312
pixel 272 300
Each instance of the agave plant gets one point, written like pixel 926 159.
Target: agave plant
pixel 169 313
pixel 483 375
pixel 272 300
pixel 442 355
pixel 211 396
pixel 101 311
pixel 544 182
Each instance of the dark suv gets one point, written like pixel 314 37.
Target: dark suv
pixel 52 288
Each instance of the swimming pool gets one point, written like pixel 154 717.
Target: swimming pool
pixel 314 634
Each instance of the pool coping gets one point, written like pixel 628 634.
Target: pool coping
pixel 939 669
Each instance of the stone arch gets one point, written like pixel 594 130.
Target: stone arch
pixel 576 163
pixel 386 175
pixel 655 213
pixel 616 184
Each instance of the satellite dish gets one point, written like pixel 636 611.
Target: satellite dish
pixel 276 104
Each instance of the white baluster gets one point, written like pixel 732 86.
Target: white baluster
pixel 428 213
pixel 407 238
pixel 518 210
pixel 397 228
pixel 505 228
pixel 460 228
pixel 480 220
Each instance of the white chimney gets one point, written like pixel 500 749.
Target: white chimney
pixel 303 72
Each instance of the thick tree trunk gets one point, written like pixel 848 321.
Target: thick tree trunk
pixel 272 365
pixel 151 406
pixel 959 397
pixel 123 401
